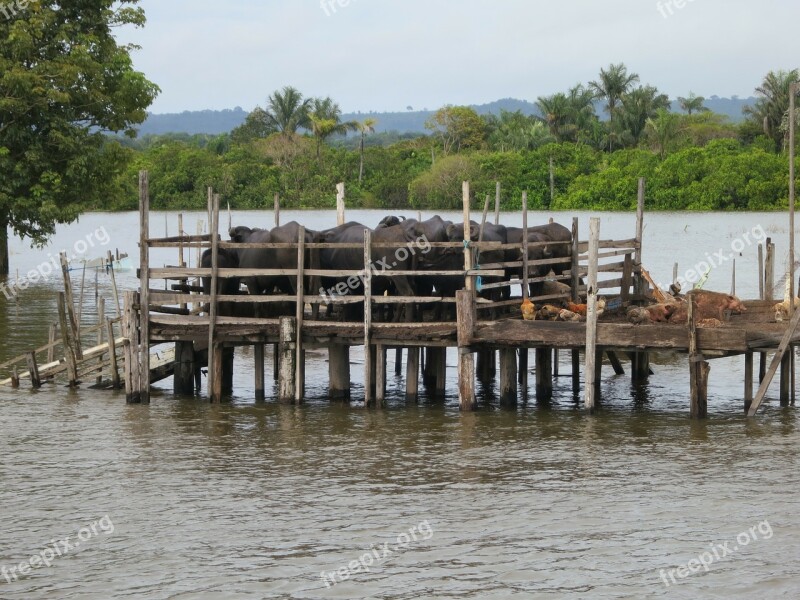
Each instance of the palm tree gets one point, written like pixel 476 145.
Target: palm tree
pixel 324 120
pixel 639 105
pixel 663 128
pixel 692 103
pixel 366 126
pixel 581 111
pixel 772 104
pixel 613 84
pixel 556 112
pixel 287 111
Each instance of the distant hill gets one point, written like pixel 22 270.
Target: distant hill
pixel 412 121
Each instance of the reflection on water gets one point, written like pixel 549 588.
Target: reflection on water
pixel 254 501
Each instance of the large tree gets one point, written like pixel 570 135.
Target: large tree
pixel 611 86
pixel 325 120
pixel 287 111
pixel 772 104
pixel 692 104
pixel 64 83
pixel 458 127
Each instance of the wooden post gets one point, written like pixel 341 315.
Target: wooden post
pixel 627 279
pixel 367 317
pixel 485 215
pixel 466 315
pixel 440 384
pixel 380 375
pixel 112 354
pixel 590 372
pixel 339 372
pixel 497 203
pixel 101 317
pixel 412 374
pixel 277 209
pixel 576 372
pixel 522 372
pixel 112 270
pixel 698 370
pixel 465 201
pixel 68 297
pixel 33 370
pixel 748 380
pixel 575 279
pixel 144 278
pixel 260 383
pixel 51 345
pixel 340 204
pixel 761 271
pixel 80 296
pixel 130 349
pixel 769 272
pixel 792 119
pixel 300 306
pixel 733 278
pixel 69 356
pixel 641 284
pixel 183 379
pixel 508 377
pixel 485 366
pixel 398 361
pixel 14 378
pixel 786 378
pixel 214 361
pixel 525 269
pixel 287 371
pixel 776 362
pixel 544 374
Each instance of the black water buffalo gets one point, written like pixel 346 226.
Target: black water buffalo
pixel 535 252
pixel 555 232
pixel 226 259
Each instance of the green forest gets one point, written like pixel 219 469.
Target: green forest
pixel 571 158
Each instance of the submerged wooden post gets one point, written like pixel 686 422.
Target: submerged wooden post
pixel 698 370
pixel 338 372
pixel 340 204
pixel 508 377
pixel 576 371
pixel 485 366
pixel 544 374
pixel 258 360
pixel 590 372
pixel 380 375
pixel 130 330
pixel 70 304
pixel 748 380
pixel 287 371
pixel 412 374
pixel 786 379
pixel 183 380
pixel 398 361
pixel 33 370
pixel 466 316
pixel 69 356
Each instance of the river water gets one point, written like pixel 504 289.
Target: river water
pixel 181 499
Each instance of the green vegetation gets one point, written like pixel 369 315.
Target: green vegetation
pixel 694 159
pixel 64 82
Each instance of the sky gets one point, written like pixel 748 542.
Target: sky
pixel 387 55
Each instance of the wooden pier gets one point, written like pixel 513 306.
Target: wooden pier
pixel 483 327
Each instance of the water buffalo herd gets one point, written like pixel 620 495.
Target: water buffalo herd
pixel 416 254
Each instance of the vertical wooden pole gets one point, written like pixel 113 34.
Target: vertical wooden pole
pixel 748 380
pixel 114 290
pixel 398 361
pixel 69 356
pixel 590 372
pixel 761 271
pixel 214 361
pixel 130 349
pixel 33 370
pixel 380 375
pixel 508 377
pixel 68 297
pixel 497 203
pixel 144 278
pixel 786 378
pixel 641 284
pixel 440 384
pixel 485 215
pixel 412 374
pixel 287 371
pixel 260 379
pixel 101 317
pixel 367 317
pixel 733 278
pixel 465 201
pixel 466 315
pixel 183 379
pixel 112 353
pixel 340 204
pixel 792 120
pixel 576 371
pixel 575 265
pixel 277 209
pixel 698 370
pixel 338 372
pixel 300 306
pixel 544 374
pixel 525 268
pixel 769 272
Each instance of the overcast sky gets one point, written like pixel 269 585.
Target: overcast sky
pixel 389 54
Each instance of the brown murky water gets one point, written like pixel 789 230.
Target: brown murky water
pixel 181 499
